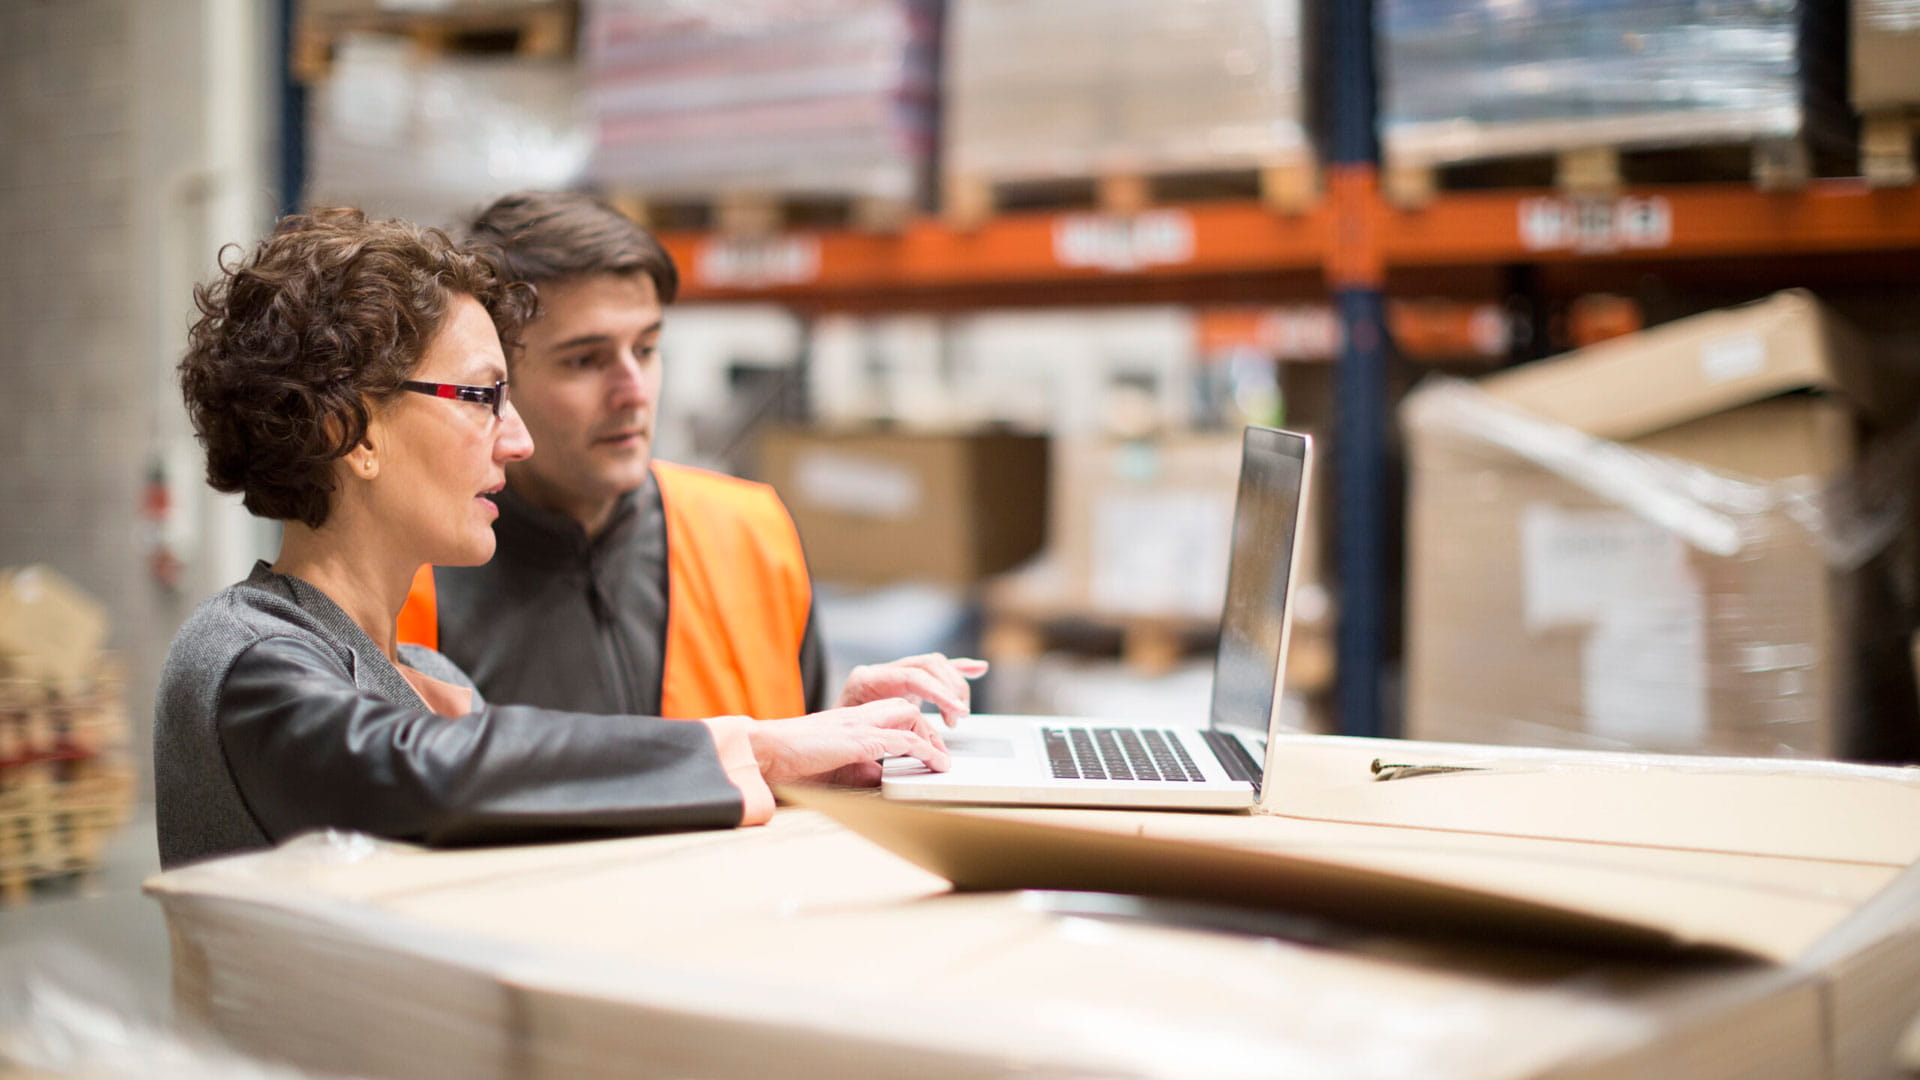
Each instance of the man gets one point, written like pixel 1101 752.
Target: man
pixel 622 584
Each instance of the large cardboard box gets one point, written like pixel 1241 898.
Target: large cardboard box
pixel 1772 904
pixel 1633 545
pixel 876 507
pixel 1143 527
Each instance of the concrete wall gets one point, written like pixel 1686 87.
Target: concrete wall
pixel 129 146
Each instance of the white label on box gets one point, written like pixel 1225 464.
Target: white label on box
pixel 1160 552
pixel 1644 669
pixel 1644 677
pixel 1575 564
pixel 1121 244
pixel 1729 358
pixel 758 263
pixel 851 484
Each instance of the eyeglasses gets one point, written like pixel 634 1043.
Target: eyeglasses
pixel 494 397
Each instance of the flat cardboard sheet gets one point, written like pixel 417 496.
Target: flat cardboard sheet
pixel 1631 852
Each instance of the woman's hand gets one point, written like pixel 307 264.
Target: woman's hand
pixel 844 746
pixel 929 679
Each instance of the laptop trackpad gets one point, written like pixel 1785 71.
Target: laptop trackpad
pixel 978 746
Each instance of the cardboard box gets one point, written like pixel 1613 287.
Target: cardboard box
pixel 1143 528
pixel 50 631
pixel 802 950
pixel 1627 547
pixel 876 507
pixel 1886 38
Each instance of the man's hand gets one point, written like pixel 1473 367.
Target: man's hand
pixel 844 746
pixel 928 679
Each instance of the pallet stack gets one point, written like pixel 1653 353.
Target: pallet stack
pixel 1595 94
pixel 65 786
pixel 760 114
pixel 62 793
pixel 1124 104
pixel 430 114
pixel 1886 88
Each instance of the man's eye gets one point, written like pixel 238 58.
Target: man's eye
pixel 577 363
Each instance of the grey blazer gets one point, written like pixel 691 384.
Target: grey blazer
pixel 276 715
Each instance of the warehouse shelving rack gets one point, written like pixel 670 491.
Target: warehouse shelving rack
pixel 1345 246
pixel 1353 245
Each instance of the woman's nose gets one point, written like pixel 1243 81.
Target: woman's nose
pixel 512 442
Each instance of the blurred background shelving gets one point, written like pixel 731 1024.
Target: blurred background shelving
pixel 915 227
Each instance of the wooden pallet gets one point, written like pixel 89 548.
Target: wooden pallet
pixel 56 819
pixel 39 723
pixel 1887 146
pixel 1600 171
pixel 538 30
pixel 1288 187
pixel 758 213
pixel 63 790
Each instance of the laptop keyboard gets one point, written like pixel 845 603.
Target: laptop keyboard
pixel 1079 753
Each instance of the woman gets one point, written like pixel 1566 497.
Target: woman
pixel 347 379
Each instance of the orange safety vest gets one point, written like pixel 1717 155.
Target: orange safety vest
pixel 738 596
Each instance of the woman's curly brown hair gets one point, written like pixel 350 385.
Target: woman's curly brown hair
pixel 331 312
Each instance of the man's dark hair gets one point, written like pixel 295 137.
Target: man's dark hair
pixel 331 312
pixel 549 236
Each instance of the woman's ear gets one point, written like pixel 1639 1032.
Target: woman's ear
pixel 362 460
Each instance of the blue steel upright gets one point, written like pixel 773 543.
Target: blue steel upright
pixel 1361 428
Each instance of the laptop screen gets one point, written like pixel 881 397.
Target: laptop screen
pixel 1253 622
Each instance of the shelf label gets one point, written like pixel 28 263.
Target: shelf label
pixel 1595 226
pixel 1121 244
pixel 745 262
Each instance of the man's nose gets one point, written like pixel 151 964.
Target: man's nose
pixel 630 387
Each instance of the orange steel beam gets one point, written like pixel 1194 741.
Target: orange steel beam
pixel 1207 239
pixel 1676 221
pixel 1338 236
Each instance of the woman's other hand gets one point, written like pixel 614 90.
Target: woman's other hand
pixel 845 745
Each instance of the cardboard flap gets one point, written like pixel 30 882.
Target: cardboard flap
pixel 989 852
pixel 1667 375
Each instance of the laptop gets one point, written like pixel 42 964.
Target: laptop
pixel 1080 761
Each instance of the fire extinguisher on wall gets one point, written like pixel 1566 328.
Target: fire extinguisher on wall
pixel 156 510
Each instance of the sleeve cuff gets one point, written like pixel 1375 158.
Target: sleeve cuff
pixel 742 769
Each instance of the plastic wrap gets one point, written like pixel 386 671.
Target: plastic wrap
pixel 1083 87
pixel 827 97
pixel 1468 79
pixel 1568 590
pixel 66 1013
pixel 434 141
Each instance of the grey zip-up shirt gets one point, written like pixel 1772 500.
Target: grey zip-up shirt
pixel 563 622
pixel 276 714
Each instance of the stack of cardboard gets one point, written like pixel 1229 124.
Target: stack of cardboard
pixel 1096 87
pixel 1664 541
pixel 1701 918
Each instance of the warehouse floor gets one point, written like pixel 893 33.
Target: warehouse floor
pixel 112 922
